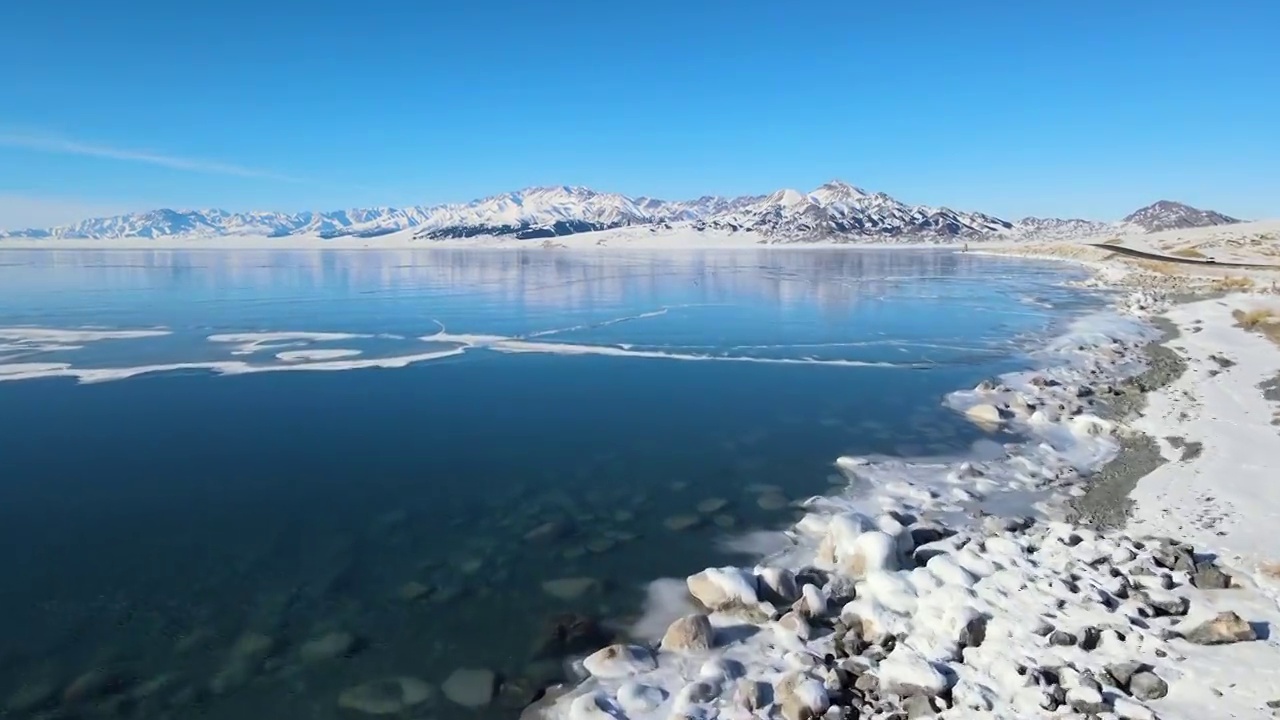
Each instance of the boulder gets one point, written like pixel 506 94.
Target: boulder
pixel 692 633
pixel 1223 629
pixel 719 588
pixel 984 414
pixel 619 661
pixel 1146 685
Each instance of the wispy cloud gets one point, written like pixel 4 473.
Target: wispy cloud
pixel 67 146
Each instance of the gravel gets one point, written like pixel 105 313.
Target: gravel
pixel 1106 503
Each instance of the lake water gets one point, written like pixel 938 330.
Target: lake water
pixel 199 473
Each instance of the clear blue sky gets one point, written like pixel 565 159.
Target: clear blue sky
pixel 1088 108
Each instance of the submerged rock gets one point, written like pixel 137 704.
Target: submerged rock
pixel 390 696
pixel 570 588
pixel 470 687
pixel 94 685
pixel 328 647
pixel 31 697
pixel 772 501
pixel 682 522
pixel 712 505
pixel 413 591
pixel 571 634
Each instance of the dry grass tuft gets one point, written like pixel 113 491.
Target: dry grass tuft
pixel 1188 252
pixel 1229 284
pixel 1156 266
pixel 1251 319
pixel 1271 570
pixel 1262 321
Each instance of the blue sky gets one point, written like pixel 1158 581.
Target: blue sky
pixel 1085 108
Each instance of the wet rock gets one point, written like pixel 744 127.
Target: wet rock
pixel 570 588
pixel 689 633
pixel 469 687
pixel 390 696
pixel 1146 685
pixel 602 545
pixel 1223 629
pixel 328 647
pixel 570 634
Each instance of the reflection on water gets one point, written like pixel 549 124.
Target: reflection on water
pixel 185 545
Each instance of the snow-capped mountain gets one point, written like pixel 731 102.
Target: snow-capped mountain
pixel 839 210
pixel 534 213
pixel 835 211
pixel 1169 215
pixel 1036 228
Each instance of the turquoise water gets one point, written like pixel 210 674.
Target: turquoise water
pixel 605 417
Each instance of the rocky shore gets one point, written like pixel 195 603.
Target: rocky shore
pixel 891 604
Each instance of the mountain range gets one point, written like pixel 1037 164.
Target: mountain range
pixel 834 211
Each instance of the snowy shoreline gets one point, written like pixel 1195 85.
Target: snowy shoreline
pixel 886 603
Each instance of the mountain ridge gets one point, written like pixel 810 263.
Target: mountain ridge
pixel 835 210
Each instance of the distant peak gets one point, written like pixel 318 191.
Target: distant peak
pixel 788 198
pixel 842 187
pixel 1172 215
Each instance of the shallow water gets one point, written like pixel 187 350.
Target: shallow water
pixel 566 412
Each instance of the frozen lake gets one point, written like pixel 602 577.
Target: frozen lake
pixel 405 447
